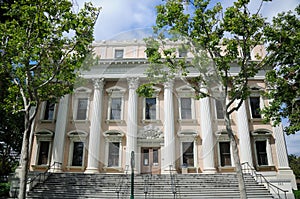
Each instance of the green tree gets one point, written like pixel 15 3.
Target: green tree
pixel 43 45
pixel 283 37
pixel 294 162
pixel 219 40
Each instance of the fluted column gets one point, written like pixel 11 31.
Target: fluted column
pixel 169 139
pixel 282 155
pixel 244 135
pixel 207 135
pixel 131 139
pixel 60 133
pixel 95 129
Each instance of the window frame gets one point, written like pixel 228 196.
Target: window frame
pixel 156 96
pixel 115 92
pixel 43 136
pixel 186 92
pixel 81 93
pixel 190 136
pixel 113 136
pixel 216 109
pixel 263 135
pixel 44 109
pixel 119 49
pixel 256 92
pixel 76 136
pixel 222 136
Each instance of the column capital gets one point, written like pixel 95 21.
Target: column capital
pixel 98 83
pixel 133 82
pixel 169 84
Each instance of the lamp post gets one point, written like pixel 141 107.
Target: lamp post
pixel 132 175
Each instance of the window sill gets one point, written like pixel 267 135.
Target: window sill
pixel 75 168
pixel 256 120
pixel 42 166
pixel 150 121
pixel 47 121
pixel 188 121
pixel 115 121
pixel 113 169
pixel 81 121
pixel 265 168
pixel 226 168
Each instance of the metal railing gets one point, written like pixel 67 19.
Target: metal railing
pixel 173 182
pixel 247 168
pixel 41 177
pixel 120 184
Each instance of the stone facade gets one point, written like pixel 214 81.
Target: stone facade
pixel 95 129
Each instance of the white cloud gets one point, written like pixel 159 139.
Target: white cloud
pixel 293 143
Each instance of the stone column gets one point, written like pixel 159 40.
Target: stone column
pixel 169 138
pixel 282 155
pixel 244 135
pixel 207 135
pixel 60 133
pixel 95 129
pixel 132 128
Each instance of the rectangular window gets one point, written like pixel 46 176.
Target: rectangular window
pixel 82 109
pixel 77 158
pixel 225 154
pixel 261 153
pixel 113 154
pixel 188 154
pixel 116 110
pixel 119 53
pixel 186 108
pixel 146 157
pixel 255 107
pixel 219 110
pixel 43 152
pixel 155 157
pixel 150 109
pixel 49 111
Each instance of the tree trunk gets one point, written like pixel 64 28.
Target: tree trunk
pixel 24 157
pixel 236 158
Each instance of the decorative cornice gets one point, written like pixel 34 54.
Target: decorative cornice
pixel 133 82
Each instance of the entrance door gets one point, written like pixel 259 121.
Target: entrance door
pixel 150 160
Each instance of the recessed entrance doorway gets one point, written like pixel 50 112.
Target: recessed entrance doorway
pixel 150 160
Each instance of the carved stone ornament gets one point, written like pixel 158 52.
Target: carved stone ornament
pixel 98 83
pixel 133 82
pixel 150 132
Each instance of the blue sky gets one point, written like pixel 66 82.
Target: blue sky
pixel 129 19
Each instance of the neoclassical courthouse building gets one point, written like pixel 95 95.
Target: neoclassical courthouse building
pixel 94 129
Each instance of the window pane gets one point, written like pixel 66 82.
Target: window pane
pixel 155 157
pixel 219 108
pixel 82 108
pixel 186 108
pixel 43 153
pixel 150 109
pixel 49 111
pixel 115 112
pixel 113 154
pixel 119 53
pixel 188 154
pixel 146 157
pixel 255 107
pixel 261 152
pixel 77 154
pixel 225 153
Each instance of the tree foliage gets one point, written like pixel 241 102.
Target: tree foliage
pixel 219 41
pixel 294 163
pixel 43 45
pixel 283 37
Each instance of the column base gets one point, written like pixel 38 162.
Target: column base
pixel 91 170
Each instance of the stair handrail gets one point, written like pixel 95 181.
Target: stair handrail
pixel 262 179
pixel 41 177
pixel 121 181
pixel 173 183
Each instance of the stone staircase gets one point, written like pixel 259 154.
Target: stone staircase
pixel 188 186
